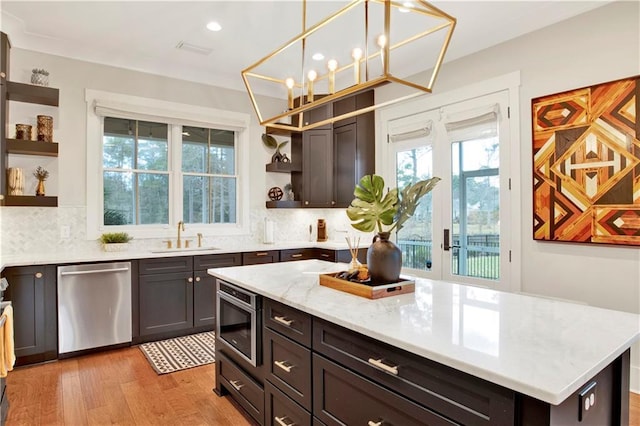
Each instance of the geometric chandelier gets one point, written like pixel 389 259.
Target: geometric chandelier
pixel 362 46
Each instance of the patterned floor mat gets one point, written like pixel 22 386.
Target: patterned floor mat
pixel 167 356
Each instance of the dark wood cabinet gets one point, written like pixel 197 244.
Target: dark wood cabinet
pixel 176 295
pixel 244 389
pixel 317 168
pixel 258 257
pixel 344 398
pixel 280 409
pixel 32 292
pixel 297 254
pixel 334 157
pixel 166 302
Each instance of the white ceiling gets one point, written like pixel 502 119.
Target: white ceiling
pixel 143 35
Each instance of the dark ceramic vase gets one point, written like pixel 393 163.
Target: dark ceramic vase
pixel 384 260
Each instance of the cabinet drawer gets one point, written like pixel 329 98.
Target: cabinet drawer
pixel 256 257
pixel 296 254
pixel 248 393
pixel 288 367
pixel 216 261
pixel 326 254
pixel 341 397
pixel 464 398
pixel 289 321
pixel 281 410
pixel 165 265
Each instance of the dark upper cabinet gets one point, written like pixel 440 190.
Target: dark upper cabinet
pixel 32 292
pixel 335 157
pixel 317 168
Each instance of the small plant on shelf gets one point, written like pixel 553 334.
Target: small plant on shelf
pixel 41 174
pixel 115 241
pixel 271 142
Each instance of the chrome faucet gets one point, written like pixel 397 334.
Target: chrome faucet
pixel 180 227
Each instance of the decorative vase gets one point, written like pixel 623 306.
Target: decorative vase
pixel 23 132
pixel 276 157
pixel 45 128
pixel 15 181
pixel 40 188
pixel 112 247
pixel 384 260
pixel 40 78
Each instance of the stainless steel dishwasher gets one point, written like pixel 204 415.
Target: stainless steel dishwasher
pixel 94 306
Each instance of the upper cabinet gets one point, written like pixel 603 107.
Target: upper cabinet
pixel 28 93
pixel 334 156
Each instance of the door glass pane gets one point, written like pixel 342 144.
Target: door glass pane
pixel 415 238
pixel 476 209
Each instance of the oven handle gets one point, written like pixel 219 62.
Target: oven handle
pixel 236 302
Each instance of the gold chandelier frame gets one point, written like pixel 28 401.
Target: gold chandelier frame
pixel 293 118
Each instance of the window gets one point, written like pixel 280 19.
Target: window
pixel 135 166
pixel 151 164
pixel 209 181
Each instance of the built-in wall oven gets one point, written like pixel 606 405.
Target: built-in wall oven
pixel 239 321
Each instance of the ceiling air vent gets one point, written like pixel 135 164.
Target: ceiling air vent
pixel 183 45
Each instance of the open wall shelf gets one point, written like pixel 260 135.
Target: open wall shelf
pixel 29 201
pixel 18 146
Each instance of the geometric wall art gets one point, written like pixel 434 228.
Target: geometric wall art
pixel 586 164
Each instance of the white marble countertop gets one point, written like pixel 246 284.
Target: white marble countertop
pixel 53 256
pixel 540 347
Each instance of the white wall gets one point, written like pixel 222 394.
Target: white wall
pixel 599 46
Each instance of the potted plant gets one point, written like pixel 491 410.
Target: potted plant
pixel 115 241
pixel 41 174
pixel 271 143
pixel 375 210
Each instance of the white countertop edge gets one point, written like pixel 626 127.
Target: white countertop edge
pixel 62 257
pixel 549 395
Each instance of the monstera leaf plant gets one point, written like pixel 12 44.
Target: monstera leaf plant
pixel 375 210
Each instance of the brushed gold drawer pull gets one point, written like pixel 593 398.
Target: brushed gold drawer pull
pixel 388 368
pixel 38 274
pixel 237 384
pixel 297 255
pixel 281 422
pixel 282 365
pixel 372 423
pixel 262 253
pixel 324 255
pixel 283 320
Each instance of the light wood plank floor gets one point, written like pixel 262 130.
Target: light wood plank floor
pixel 116 387
pixel 119 387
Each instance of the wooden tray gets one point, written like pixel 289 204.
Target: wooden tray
pixel 363 290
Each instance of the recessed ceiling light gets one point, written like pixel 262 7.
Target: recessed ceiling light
pixel 214 26
pixel 318 56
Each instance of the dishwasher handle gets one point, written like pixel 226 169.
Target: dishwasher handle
pixel 94 271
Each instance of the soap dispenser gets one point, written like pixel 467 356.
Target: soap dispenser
pixel 322 230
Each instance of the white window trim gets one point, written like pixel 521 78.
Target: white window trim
pixel 177 113
pixel 508 82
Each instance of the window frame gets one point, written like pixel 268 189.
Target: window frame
pixel 176 115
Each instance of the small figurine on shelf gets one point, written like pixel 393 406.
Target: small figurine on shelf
pixel 42 175
pixel 288 190
pixel 40 77
pixel 271 142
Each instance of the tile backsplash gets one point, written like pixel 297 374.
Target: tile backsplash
pixel 40 230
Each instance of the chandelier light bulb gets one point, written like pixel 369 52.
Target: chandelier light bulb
pixel 356 54
pixel 289 83
pixel 332 64
pixel 382 41
pixel 311 76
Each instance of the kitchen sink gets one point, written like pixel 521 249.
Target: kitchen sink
pixel 180 250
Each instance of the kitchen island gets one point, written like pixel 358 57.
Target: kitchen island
pixel 546 361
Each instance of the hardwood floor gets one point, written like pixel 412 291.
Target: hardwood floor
pixel 119 387
pixel 116 387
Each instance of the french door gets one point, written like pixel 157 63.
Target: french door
pixel 459 230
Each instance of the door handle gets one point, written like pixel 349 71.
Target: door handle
pixel 446 238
